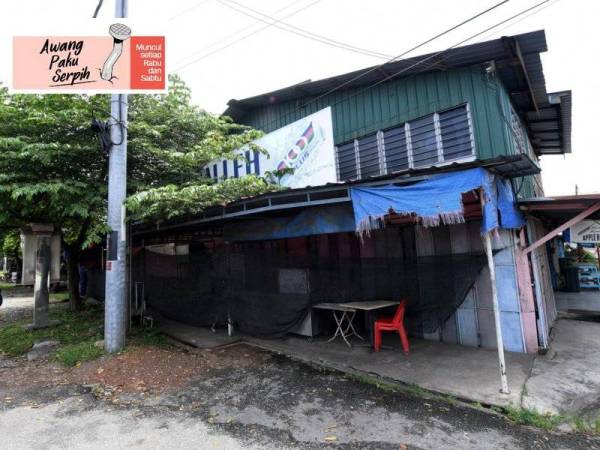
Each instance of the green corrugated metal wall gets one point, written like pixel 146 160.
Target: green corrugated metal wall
pixel 356 114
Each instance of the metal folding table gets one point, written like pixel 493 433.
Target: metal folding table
pixel 344 313
pixel 343 316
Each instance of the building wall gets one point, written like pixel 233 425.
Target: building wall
pixel 357 113
pixel 544 292
pixel 433 268
pixel 473 322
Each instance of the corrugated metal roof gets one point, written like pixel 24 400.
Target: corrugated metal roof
pixel 518 65
pixel 561 208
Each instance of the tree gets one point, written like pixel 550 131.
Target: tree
pixel 54 170
pixel 10 247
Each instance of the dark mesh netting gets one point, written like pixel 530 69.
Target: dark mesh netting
pixel 268 287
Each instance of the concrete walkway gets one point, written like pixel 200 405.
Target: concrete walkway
pixel 567 380
pixel 464 372
pixel 564 381
pixel 194 336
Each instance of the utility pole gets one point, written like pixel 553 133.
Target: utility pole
pixel 115 306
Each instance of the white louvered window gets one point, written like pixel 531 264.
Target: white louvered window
pixel 440 138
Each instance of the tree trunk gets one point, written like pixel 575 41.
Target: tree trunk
pixel 75 302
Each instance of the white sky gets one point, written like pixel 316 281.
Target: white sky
pixel 273 58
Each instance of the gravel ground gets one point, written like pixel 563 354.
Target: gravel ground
pixel 235 397
pixel 271 403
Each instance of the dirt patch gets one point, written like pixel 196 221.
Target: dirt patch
pixel 22 374
pixel 154 370
pixel 141 370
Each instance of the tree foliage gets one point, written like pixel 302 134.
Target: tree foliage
pixel 53 169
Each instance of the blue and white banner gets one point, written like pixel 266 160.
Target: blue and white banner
pixel 305 146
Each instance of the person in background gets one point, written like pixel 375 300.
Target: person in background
pixel 83 280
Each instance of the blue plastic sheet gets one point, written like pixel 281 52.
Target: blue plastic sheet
pixel 311 221
pixel 437 200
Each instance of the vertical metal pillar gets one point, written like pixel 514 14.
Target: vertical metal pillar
pixel 499 341
pixel 487 245
pixel 115 306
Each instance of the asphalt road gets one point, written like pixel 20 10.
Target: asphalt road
pixel 278 404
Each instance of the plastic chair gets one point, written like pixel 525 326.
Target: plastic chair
pixel 395 323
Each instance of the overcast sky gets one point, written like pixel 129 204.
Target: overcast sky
pixel 202 49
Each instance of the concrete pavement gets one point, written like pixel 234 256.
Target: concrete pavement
pixel 567 379
pixel 465 372
pixel 277 404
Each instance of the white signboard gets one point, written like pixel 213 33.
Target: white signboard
pixel 305 146
pixel 585 232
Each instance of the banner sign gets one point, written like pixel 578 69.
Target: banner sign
pixel 585 232
pixel 117 61
pixel 305 147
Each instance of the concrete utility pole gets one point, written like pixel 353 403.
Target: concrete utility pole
pixel 115 306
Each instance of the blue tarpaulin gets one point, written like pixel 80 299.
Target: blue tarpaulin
pixel 437 200
pixel 311 221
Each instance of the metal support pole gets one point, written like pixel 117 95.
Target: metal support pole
pixel 499 341
pixel 487 245
pixel 115 311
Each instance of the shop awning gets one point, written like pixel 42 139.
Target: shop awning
pixel 566 211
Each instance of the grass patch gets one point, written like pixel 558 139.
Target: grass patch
pixel 147 337
pixel 586 426
pixel 57 297
pixel 523 416
pixel 77 331
pixel 6 286
pixel 386 386
pixel 74 354
pixel 596 426
pixel 15 341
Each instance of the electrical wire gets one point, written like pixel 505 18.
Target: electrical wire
pixel 269 24
pixel 187 10
pixel 97 10
pixel 418 63
pixel 533 13
pixel 300 31
pixel 431 39
pixel 240 30
pixel 243 37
